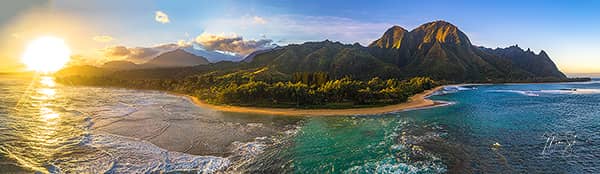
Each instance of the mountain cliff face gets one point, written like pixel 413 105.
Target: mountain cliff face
pixel 440 50
pixel 393 38
pixel 439 32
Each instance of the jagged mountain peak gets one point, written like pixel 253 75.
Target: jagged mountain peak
pixel 392 38
pixel 395 29
pixel 515 49
pixel 438 23
pixel 442 32
pixel 543 53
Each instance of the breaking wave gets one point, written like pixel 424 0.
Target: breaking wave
pixel 118 154
pixel 536 93
pixel 453 89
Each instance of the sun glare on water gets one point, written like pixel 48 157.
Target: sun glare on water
pixel 46 54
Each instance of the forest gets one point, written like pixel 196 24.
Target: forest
pixel 303 90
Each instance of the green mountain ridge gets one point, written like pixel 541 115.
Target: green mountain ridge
pixel 436 49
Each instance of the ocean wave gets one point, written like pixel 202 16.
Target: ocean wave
pixel 408 155
pixel 572 91
pixel 440 103
pixel 101 152
pixel 458 88
pixel 453 89
pixel 536 93
pixel 391 165
pixel 526 93
pixel 244 154
pixel 593 81
pixel 107 153
pixel 250 149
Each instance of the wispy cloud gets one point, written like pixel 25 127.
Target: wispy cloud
pixel 161 17
pixel 103 38
pixel 259 20
pixel 231 43
pixel 301 28
pixel 184 43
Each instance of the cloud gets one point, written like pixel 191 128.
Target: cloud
pixel 118 51
pixel 259 20
pixel 302 28
pixel 232 43
pixel 137 54
pixel 103 38
pixel 184 43
pixel 161 17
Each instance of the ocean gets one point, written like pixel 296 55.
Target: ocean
pixel 512 128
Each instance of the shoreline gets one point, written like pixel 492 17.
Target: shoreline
pixel 417 101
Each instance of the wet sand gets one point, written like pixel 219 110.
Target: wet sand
pixel 175 123
pixel 417 101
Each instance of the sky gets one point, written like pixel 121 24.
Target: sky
pixel 101 30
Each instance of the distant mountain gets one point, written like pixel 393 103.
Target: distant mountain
pixel 83 70
pixel 120 65
pixel 251 56
pixel 176 58
pixel 212 56
pixel 538 64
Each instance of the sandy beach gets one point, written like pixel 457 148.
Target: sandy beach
pixel 415 102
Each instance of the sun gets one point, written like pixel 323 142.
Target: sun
pixel 46 54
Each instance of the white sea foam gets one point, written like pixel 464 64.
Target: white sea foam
pixel 536 93
pixel 250 149
pixel 572 91
pixel 585 83
pixel 458 88
pixel 391 165
pixel 441 104
pixel 527 93
pixel 244 152
pixel 116 154
pixel 453 89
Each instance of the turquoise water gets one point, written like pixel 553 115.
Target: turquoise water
pixel 525 128
pixel 539 128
